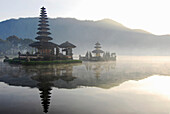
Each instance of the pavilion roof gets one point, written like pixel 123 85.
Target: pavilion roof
pixel 97 51
pixel 67 45
pixel 97 46
pixel 43 44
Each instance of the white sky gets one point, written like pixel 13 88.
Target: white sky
pixel 150 15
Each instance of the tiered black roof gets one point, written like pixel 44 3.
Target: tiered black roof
pixel 43 44
pixel 43 18
pixel 43 21
pixel 97 45
pixel 43 32
pixel 43 29
pixel 97 50
pixel 43 25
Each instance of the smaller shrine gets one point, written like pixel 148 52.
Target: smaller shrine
pixel 98 51
pixel 67 48
pixel 98 55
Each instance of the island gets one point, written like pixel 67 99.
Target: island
pixel 45 52
pixel 99 55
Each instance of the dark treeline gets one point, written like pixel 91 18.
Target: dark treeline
pixel 12 45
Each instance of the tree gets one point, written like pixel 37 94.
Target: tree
pixel 12 45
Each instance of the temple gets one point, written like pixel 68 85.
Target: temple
pixel 67 48
pixel 97 51
pixel 44 49
pixel 99 55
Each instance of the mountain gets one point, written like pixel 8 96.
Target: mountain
pixel 113 36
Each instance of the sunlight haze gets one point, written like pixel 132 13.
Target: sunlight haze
pixel 150 15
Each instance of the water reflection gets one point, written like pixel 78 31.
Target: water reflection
pixel 41 77
pixel 97 74
pixel 45 94
pixel 99 67
pixel 45 77
pixel 62 76
pixel 45 86
pixel 71 76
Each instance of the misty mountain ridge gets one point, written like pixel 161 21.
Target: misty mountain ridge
pixel 113 36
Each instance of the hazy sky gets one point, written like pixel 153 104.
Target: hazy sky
pixel 150 15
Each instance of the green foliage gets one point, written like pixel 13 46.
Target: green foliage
pixel 23 62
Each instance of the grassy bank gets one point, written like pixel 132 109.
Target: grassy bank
pixel 22 62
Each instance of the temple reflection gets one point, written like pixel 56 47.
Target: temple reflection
pixel 103 75
pixel 45 78
pixel 99 67
pixel 45 86
pixel 41 77
pixel 45 94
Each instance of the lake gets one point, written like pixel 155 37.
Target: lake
pixel 130 85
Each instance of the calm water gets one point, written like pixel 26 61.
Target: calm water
pixel 131 85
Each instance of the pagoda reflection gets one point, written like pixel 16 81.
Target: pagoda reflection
pixel 103 75
pixel 45 78
pixel 40 76
pixel 45 86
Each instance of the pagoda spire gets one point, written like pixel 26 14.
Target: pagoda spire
pixel 97 46
pixel 46 49
pixel 43 27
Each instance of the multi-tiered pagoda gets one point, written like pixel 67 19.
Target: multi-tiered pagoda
pixel 98 50
pixel 99 55
pixel 45 48
pixel 45 51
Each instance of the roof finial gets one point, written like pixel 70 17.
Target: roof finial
pixel 43 7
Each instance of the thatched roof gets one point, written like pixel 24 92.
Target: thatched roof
pixel 97 43
pixel 43 18
pixel 43 28
pixel 42 21
pixel 43 37
pixel 43 44
pixel 67 45
pixel 97 46
pixel 43 13
pixel 43 32
pixel 43 24
pixel 97 51
pixel 43 7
